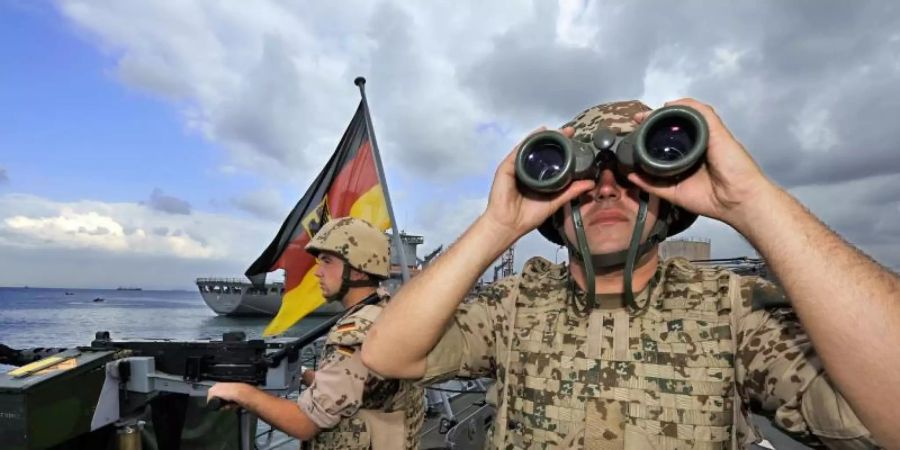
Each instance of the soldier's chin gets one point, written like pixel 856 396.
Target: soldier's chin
pixel 605 247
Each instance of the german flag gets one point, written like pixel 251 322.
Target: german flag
pixel 347 186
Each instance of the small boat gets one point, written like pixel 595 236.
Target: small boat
pixel 98 299
pixel 70 293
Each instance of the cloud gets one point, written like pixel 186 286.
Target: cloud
pixel 270 82
pixel 262 203
pixel 58 236
pixel 4 178
pixel 800 99
pixel 870 224
pixel 167 203
pixel 443 224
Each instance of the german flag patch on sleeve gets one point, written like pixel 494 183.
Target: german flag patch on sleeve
pixel 347 327
pixel 346 350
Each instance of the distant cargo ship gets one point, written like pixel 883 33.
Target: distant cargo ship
pixel 123 288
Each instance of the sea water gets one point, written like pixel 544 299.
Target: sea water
pixel 41 317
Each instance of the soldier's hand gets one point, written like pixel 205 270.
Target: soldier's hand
pixel 227 394
pixel 307 375
pixel 520 211
pixel 728 179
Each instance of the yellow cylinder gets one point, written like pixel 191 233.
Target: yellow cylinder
pixel 128 437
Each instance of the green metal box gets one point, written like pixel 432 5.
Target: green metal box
pixel 51 401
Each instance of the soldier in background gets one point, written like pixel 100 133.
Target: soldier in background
pixel 681 366
pixel 345 406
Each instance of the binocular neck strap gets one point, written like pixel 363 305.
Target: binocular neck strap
pixel 626 258
pixel 590 299
pixel 633 248
pixel 657 235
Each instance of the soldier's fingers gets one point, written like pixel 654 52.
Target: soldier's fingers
pixel 641 116
pixel 660 189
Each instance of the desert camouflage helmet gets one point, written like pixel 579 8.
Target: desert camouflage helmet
pixel 617 116
pixel 361 245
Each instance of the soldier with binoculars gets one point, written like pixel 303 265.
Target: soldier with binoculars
pixel 620 350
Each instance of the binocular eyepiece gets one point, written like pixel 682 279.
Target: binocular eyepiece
pixel 670 142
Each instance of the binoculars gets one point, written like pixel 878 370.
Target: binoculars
pixel 670 142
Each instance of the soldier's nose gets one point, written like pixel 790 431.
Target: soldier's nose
pixel 606 188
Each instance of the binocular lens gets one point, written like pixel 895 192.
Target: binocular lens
pixel 670 140
pixel 544 161
pixel 669 143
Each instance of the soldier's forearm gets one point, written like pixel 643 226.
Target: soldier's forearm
pixel 416 317
pixel 278 412
pixel 848 304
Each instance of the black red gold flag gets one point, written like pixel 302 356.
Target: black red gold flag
pixel 348 185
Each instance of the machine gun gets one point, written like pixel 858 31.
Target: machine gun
pixel 81 397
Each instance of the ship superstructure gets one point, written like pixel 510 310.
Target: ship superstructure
pixel 239 297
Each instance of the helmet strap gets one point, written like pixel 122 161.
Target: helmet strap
pixel 342 291
pixel 347 283
pixel 633 248
pixel 626 258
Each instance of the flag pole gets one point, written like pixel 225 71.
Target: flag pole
pixel 398 239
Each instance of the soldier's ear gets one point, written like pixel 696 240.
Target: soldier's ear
pixel 357 275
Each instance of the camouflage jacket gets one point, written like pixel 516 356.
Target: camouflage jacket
pixel 681 370
pixel 355 408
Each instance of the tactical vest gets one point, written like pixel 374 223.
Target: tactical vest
pixel 660 376
pixel 392 411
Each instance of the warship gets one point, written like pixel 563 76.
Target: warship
pixel 151 394
pixel 239 297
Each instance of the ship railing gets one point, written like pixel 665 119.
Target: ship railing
pixel 741 265
pixel 222 281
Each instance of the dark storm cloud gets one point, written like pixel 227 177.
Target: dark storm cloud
pixel 813 93
pixel 864 212
pixel 809 88
pixel 167 203
pixel 824 82
pixel 530 75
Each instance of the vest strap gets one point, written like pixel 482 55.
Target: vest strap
pixel 509 304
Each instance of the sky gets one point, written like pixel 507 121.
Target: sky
pixel 151 143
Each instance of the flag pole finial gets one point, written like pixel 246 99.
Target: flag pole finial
pixel 359 81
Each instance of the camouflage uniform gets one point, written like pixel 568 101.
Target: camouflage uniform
pixel 354 408
pixel 680 371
